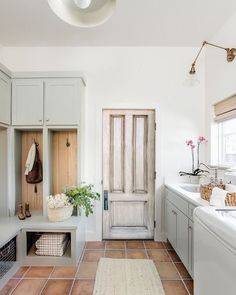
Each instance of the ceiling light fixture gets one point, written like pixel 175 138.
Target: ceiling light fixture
pixel 231 53
pixel 83 13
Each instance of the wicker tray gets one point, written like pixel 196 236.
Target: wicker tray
pixel 206 190
pixel 230 199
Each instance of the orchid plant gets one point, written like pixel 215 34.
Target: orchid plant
pixel 201 140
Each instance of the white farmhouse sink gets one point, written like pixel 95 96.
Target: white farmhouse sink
pixel 191 188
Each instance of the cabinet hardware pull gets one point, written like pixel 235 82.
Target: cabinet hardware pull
pixel 47 120
pixel 190 227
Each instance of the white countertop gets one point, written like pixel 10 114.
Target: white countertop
pixel 11 226
pixel 194 198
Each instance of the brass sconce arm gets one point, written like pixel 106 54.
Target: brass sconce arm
pixel 231 53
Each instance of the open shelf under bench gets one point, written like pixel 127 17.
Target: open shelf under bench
pixel 74 226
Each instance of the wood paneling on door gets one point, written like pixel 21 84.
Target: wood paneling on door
pixel 27 190
pixel 128 174
pixel 64 160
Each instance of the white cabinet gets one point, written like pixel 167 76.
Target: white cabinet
pixel 182 237
pixel 49 101
pixel 190 243
pixel 27 102
pixel 177 231
pixel 179 227
pixel 5 99
pixel 171 223
pixel 62 101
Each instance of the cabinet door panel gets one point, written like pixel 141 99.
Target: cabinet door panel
pixel 27 102
pixel 5 99
pixel 171 223
pixel 182 237
pixel 190 245
pixel 62 101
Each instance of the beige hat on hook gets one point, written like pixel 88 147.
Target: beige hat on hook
pixel 83 13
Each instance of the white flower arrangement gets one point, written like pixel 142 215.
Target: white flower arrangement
pixel 58 201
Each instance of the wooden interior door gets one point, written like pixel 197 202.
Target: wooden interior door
pixel 128 174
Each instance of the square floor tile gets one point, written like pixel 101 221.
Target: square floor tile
pixel 167 271
pixel 174 288
pixel 57 287
pixel 136 254
pixel 21 271
pixel 93 255
pixel 29 287
pixel 87 270
pixel 83 287
pixel 64 272
pixel 9 287
pixel 38 272
pixel 182 270
pixel 159 255
pixel 134 245
pixel 115 254
pixel 118 245
pixel 153 245
pixel 95 245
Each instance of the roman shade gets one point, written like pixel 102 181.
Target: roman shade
pixel 225 109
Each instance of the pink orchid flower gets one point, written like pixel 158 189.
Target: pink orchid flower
pixel 189 142
pixel 202 139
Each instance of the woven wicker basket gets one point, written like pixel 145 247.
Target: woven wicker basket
pixel 206 190
pixel 59 214
pixel 230 199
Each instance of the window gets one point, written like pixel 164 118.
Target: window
pixel 227 142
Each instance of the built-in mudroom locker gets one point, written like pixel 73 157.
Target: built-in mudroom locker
pixel 41 114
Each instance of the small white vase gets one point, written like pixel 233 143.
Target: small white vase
pixel 194 179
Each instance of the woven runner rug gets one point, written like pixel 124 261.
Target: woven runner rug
pixel 127 277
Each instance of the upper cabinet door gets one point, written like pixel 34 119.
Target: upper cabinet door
pixel 5 99
pixel 62 97
pixel 27 102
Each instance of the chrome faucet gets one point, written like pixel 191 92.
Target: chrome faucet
pixel 212 168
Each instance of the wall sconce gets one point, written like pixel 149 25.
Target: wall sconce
pixel 231 53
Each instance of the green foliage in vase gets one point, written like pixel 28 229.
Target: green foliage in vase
pixel 82 196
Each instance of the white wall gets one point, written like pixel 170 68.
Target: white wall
pixel 220 74
pixel 1 53
pixel 129 78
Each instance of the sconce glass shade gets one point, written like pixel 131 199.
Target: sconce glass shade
pixel 83 13
pixel 83 4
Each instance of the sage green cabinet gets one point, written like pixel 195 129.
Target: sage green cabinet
pixel 179 227
pixel 5 99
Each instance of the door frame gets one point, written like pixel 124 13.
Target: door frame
pixel 155 179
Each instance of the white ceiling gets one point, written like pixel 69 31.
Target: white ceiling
pixel 135 23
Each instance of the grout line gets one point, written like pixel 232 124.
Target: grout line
pixel 47 280
pixel 78 266
pixel 146 251
pixel 181 278
pixel 20 279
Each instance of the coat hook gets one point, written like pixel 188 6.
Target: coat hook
pixel 35 142
pixel 67 143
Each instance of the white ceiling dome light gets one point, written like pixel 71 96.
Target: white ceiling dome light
pixel 83 13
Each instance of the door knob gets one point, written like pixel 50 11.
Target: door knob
pixel 105 199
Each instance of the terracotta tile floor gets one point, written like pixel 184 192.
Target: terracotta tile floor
pixel 80 280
